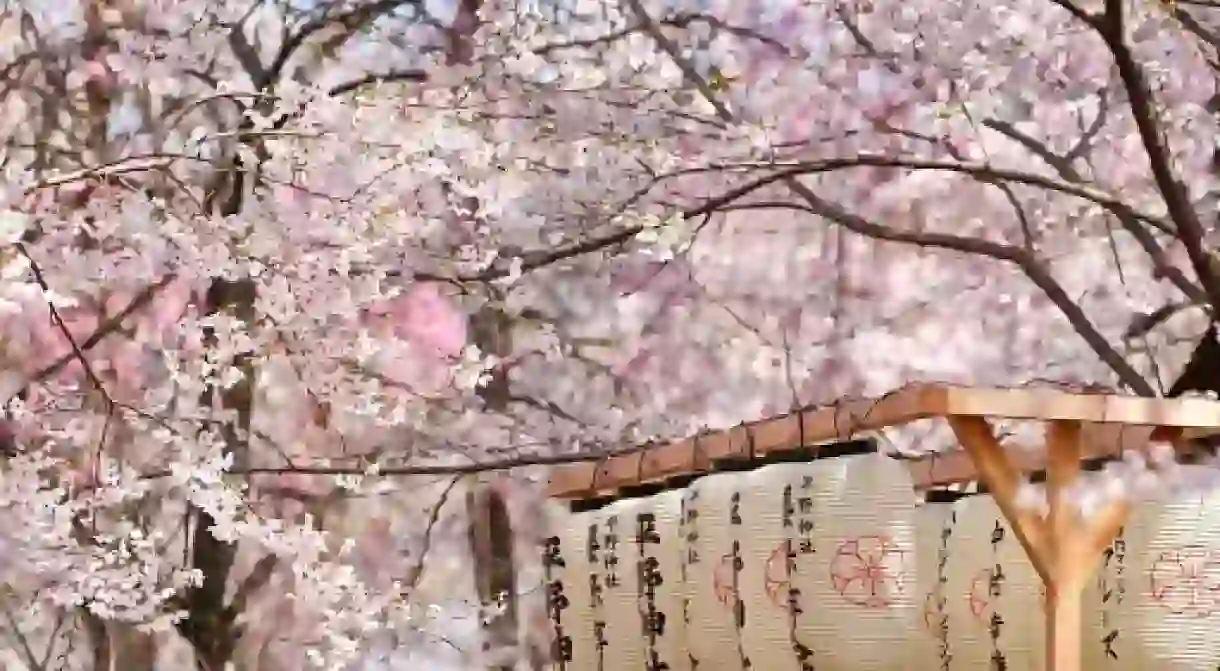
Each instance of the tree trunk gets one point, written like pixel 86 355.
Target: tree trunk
pixel 491 541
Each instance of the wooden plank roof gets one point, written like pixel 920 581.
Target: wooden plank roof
pixel 1112 423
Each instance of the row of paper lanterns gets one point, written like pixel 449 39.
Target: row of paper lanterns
pixel 836 564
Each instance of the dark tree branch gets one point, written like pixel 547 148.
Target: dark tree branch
pixel 984 173
pixel 1085 144
pixel 1027 262
pixel 1190 229
pixel 109 326
pixel 1190 23
pixel 1063 165
pixel 1075 11
pixel 259 576
pixel 350 20
pixel 416 573
pixel 385 78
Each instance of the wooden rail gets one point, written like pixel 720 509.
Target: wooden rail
pixel 1111 424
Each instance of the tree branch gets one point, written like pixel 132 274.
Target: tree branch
pixel 349 20
pixel 259 576
pixel 985 173
pixel 385 78
pixel 1019 257
pixel 1190 229
pixel 1063 166
pixel 416 572
pixel 106 328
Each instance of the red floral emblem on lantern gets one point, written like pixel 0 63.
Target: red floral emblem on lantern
pixel 930 612
pixel 868 570
pixel 979 597
pixel 776 576
pixel 1186 581
pixel 722 581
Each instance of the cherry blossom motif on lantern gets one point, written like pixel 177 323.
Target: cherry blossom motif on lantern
pixel 1186 581
pixel 722 581
pixel 930 613
pixel 979 597
pixel 868 571
pixel 775 576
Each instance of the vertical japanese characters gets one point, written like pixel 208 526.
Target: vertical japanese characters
pixel 557 602
pixel 995 587
pixel 1113 583
pixel 798 523
pixel 597 592
pixel 688 530
pixel 649 540
pixel 737 562
pixel 942 579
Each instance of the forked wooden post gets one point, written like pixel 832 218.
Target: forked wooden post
pixel 1062 546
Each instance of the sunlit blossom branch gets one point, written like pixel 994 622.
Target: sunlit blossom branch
pixel 122 166
pixel 457 469
pixel 783 173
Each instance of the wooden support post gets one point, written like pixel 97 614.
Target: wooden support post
pixel 1063 547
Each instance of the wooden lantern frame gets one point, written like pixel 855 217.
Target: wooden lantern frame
pixel 1063 547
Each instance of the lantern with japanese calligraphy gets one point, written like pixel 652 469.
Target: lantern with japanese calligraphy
pixel 933 519
pixel 1097 611
pixel 857 588
pixel 769 548
pixel 662 588
pixel 620 557
pixel 993 596
pixel 579 575
pixel 558 590
pixel 713 534
pixel 1164 574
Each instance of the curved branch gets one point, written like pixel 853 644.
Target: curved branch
pixel 1111 27
pixel 784 173
pixel 1027 262
pixel 1063 166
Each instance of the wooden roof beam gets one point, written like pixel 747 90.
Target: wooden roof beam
pixel 1111 425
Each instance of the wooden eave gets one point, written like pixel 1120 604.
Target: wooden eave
pixel 1111 424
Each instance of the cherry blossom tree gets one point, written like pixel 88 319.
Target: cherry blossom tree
pixel 279 278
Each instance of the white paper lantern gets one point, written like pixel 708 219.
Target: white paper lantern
pixel 1165 572
pixel 620 551
pixel 994 597
pixel 574 532
pixel 770 638
pixel 858 597
pixel 661 574
pixel 929 641
pixel 712 504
